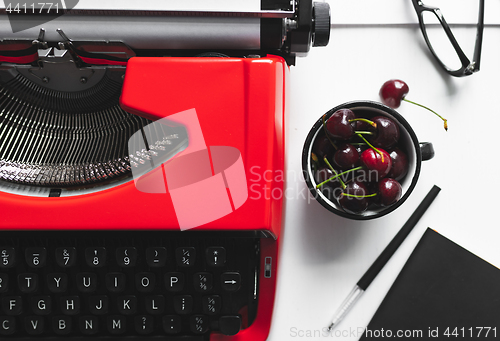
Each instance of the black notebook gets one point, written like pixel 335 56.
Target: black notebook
pixel 442 292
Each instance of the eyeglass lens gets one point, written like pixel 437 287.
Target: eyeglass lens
pixel 440 42
pixel 462 21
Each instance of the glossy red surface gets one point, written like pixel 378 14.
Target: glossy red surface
pixel 240 104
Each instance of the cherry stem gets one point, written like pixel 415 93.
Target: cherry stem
pixel 326 133
pixel 359 196
pixel 373 124
pixel 423 106
pixel 364 132
pixel 339 174
pixel 372 147
pixel 342 183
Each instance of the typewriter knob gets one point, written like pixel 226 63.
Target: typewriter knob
pixel 321 15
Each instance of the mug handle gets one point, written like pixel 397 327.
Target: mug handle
pixel 427 150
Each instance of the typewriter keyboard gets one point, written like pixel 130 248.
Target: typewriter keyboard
pixel 114 285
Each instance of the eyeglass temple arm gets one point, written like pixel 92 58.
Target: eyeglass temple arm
pixel 479 37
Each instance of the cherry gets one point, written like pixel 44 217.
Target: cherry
pixel 339 126
pixel 322 147
pixel 361 148
pixel 332 188
pixel 386 134
pixel 399 164
pixel 363 125
pixel 346 156
pixel 389 191
pixel 325 173
pixel 354 197
pixel 377 160
pixel 394 91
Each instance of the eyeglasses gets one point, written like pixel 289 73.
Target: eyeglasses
pixel 442 42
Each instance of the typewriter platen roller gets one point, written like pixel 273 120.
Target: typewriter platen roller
pixel 283 26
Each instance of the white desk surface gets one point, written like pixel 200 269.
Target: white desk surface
pixel 324 255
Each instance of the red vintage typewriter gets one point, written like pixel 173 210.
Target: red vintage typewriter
pixel 138 154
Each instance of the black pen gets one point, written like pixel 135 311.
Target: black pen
pixel 382 259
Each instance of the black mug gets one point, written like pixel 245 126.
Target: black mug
pixel 416 153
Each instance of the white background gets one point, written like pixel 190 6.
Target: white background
pixel 324 255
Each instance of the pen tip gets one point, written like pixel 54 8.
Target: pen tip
pixel 330 327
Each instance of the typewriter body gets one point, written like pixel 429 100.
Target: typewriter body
pixel 142 168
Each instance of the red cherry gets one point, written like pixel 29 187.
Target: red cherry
pixel 399 164
pixel 374 161
pixel 322 147
pixel 353 198
pixel 339 126
pixel 325 173
pixel 330 189
pixel 389 191
pixel 386 134
pixel 346 157
pixel 363 125
pixel 392 92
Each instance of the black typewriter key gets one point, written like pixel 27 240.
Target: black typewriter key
pixel 172 324
pixel 62 325
pixel 199 324
pixel 95 256
pixel 4 283
pixel 185 256
pixel 36 257
pixel 183 288
pixel 98 305
pixel 7 257
pixel 156 256
pixel 115 281
pixel 174 281
pixel 57 283
pixel 183 304
pixel 155 304
pixel 216 256
pixel 127 305
pixel 126 256
pixel 86 282
pixel 70 305
pixel 145 281
pixel 66 256
pixel 41 305
pixel 116 324
pixel 231 281
pixel 211 304
pixel 229 325
pixel 7 325
pixel 89 325
pixel 202 281
pixel 27 282
pixel 34 325
pixel 144 324
pixel 12 305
